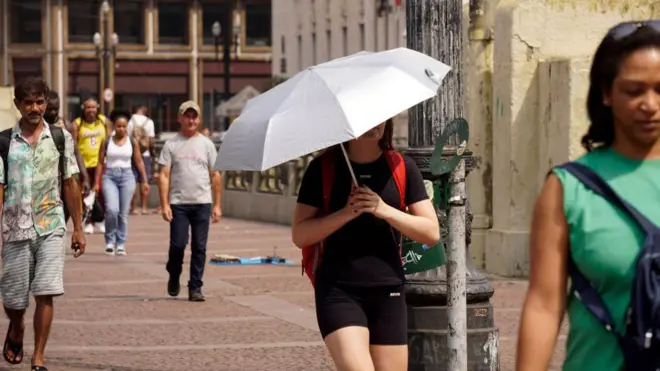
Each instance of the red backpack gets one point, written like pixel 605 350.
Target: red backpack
pixel 313 254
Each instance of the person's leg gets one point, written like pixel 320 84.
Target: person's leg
pixel 15 288
pixel 388 321
pixel 343 326
pixel 145 196
pixel 178 241
pixel 47 283
pixel 126 191
pixel 200 217
pixel 112 198
pixel 98 212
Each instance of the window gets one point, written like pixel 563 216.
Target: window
pixel 344 34
pixel 314 48
pixel 129 21
pixel 28 29
pixel 300 54
pixel 172 23
pixel 258 21
pixel 363 39
pixel 328 37
pixel 83 20
pixel 214 12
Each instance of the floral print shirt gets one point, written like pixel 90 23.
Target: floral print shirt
pixel 32 201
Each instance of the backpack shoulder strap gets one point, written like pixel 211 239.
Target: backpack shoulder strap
pixel 398 168
pixel 327 179
pixel 58 137
pixel 5 141
pixel 595 183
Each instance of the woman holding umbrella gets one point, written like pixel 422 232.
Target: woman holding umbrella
pixel 360 303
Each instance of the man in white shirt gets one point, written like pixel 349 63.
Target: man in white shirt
pixel 141 127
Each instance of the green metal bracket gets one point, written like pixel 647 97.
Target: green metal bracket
pixel 441 165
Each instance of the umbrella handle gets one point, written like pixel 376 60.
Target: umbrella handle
pixel 348 162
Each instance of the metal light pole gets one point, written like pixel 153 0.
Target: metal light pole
pixel 106 47
pixel 441 321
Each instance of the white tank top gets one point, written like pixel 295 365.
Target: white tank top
pixel 119 156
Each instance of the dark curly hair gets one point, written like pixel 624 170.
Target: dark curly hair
pixel 31 86
pixel 118 113
pixel 611 52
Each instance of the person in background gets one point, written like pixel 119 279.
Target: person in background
pixel 52 116
pixel 206 132
pixel 572 222
pixel 33 226
pixel 142 129
pixel 114 175
pixel 190 191
pixel 89 132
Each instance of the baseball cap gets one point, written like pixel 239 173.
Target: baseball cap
pixel 189 105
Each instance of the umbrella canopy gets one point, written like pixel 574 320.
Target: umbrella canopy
pixel 328 104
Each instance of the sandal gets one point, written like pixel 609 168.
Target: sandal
pixel 39 368
pixel 16 348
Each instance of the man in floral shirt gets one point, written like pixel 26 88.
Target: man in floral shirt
pixel 33 225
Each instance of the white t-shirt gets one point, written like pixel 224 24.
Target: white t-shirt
pixel 146 123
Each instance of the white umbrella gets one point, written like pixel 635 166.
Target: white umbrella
pixel 328 104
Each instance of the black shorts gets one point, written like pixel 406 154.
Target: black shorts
pixel 380 309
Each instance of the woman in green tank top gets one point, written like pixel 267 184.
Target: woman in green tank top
pixel 624 149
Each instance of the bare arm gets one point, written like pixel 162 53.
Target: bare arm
pixel 216 184
pixel 307 229
pixel 73 199
pixel 420 225
pixel 101 164
pixel 74 132
pixel 546 297
pixel 164 186
pixel 2 197
pixel 108 127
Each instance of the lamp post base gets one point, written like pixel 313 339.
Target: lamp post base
pixel 426 297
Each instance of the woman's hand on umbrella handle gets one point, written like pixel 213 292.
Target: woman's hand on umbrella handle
pixel 368 201
pixel 351 209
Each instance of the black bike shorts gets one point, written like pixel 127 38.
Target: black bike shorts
pixel 380 309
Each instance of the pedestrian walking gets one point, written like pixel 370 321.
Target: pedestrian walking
pixel 358 282
pixel 52 116
pixel 142 129
pixel 89 132
pixel 190 197
pixel 579 233
pixel 38 158
pixel 118 155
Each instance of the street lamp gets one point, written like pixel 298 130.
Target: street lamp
pixel 106 51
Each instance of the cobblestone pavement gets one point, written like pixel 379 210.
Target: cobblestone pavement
pixel 116 314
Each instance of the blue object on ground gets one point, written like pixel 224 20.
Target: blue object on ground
pixel 252 261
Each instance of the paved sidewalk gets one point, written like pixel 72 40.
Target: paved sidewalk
pixel 116 314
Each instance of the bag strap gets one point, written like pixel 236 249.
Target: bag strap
pixel 398 167
pixel 581 287
pixel 599 186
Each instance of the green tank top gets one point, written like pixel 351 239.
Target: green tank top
pixel 604 245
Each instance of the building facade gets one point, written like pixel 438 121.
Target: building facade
pixel 164 51
pixel 308 32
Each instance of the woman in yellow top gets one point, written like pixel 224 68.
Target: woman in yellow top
pixel 90 131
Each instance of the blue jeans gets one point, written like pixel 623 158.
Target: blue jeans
pixel 118 189
pixel 196 217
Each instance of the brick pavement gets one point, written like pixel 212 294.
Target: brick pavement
pixel 116 314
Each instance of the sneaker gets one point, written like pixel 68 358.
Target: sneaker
pixel 121 250
pixel 89 229
pixel 110 249
pixel 196 296
pixel 100 227
pixel 173 287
